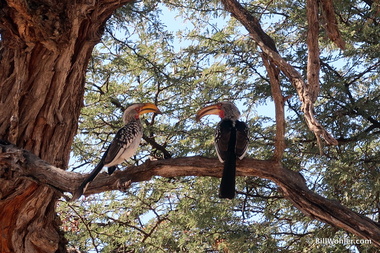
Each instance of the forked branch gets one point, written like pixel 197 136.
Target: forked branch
pixel 268 47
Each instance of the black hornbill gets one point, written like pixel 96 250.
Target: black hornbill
pixel 231 141
pixel 124 144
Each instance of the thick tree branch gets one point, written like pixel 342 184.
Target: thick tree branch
pixel 16 163
pixel 267 46
pixel 331 23
pixel 313 64
pixel 279 102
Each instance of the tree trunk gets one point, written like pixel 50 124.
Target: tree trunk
pixel 45 47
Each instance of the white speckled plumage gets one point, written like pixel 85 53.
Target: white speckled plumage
pixel 124 145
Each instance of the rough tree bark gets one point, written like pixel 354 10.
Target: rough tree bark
pixel 44 50
pixel 313 63
pixel 331 24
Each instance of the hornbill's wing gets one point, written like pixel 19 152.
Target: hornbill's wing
pixel 122 147
pixel 241 139
pixel 124 144
pixel 222 137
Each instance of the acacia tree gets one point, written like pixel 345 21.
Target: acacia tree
pixel 45 51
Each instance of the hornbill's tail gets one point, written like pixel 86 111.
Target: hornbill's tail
pixel 227 184
pixel 82 188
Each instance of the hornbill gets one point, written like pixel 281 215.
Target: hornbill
pixel 231 141
pixel 124 144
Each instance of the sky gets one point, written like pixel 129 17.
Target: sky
pixel 175 22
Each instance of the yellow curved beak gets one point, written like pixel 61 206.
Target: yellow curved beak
pixel 149 107
pixel 208 110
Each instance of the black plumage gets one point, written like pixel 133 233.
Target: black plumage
pixel 231 142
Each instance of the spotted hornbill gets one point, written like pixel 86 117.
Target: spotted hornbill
pixel 231 141
pixel 124 145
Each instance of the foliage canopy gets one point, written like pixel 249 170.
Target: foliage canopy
pixel 203 56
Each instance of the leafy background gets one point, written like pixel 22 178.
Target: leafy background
pixel 184 55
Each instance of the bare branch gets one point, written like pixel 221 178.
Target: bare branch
pixel 279 100
pixel 331 23
pixel 16 163
pixel 313 64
